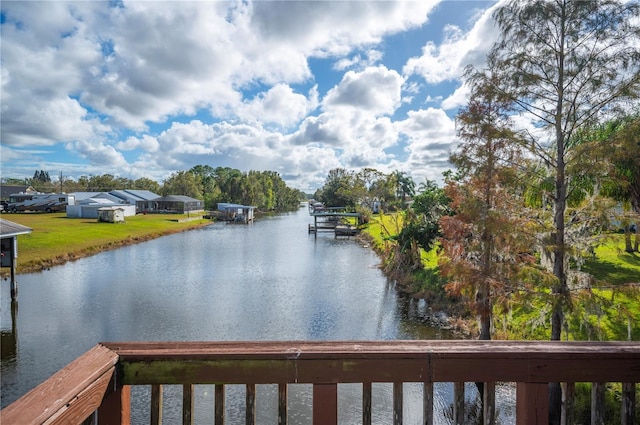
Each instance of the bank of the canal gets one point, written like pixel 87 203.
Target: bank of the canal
pixel 56 239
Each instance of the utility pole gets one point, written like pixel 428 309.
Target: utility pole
pixel 61 191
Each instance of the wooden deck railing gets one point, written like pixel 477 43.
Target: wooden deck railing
pixel 97 384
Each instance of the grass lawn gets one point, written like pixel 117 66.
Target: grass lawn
pixel 612 264
pixel 56 238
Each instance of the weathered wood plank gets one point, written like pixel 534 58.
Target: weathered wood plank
pixel 428 403
pixel 568 403
pixel 379 361
pixel 489 403
pixel 597 403
pixel 116 408
pixel 187 404
pixel 458 403
pixel 398 394
pixel 532 403
pixel 366 403
pixel 505 349
pixel 628 403
pixel 219 404
pixel 63 388
pixel 85 403
pixel 250 371
pixel 250 404
pixel 283 390
pixel 325 404
pixel 156 404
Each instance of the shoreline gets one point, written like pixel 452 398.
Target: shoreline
pixel 59 260
pixel 442 315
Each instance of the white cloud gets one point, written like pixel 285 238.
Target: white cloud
pixel 431 135
pixel 149 88
pixel 100 154
pixel 375 90
pixel 458 98
pixel 447 61
pixel 279 105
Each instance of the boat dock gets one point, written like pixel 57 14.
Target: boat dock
pixel 337 222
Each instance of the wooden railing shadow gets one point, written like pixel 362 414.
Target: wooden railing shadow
pixel 95 388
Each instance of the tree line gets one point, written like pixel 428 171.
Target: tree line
pixel 265 190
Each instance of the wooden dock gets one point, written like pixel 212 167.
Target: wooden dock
pixel 337 222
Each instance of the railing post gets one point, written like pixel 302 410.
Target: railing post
pixel 458 403
pixel 532 403
pixel 325 404
pixel 116 408
pixel 282 404
pixel 366 403
pixel 568 402
pixel 628 403
pixel 250 403
pixel 597 403
pixel 156 404
pixel 219 404
pixel 489 403
pixel 397 403
pixel 428 403
pixel 187 404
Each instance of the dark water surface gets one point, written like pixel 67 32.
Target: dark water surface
pixel 267 281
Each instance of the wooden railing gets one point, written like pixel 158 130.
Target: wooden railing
pixel 97 384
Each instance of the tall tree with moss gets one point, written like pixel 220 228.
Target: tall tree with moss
pixel 486 242
pixel 565 64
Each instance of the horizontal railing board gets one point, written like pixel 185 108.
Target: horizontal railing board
pixel 250 371
pixel 400 348
pixel 378 361
pixel 69 393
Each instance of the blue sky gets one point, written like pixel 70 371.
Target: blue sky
pixel 148 88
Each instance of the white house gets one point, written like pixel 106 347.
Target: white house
pixel 88 203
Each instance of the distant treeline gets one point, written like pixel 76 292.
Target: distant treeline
pixel 263 189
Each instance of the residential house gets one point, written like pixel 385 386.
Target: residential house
pixel 88 203
pixel 178 204
pixel 142 199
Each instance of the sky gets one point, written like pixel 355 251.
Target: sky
pixel 149 88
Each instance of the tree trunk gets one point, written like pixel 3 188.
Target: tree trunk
pixel 628 247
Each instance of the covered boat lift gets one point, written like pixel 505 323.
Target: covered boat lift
pixel 332 221
pixel 9 232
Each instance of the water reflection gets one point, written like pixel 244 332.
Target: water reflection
pixel 9 338
pixel 267 281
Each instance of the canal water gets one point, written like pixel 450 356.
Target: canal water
pixel 269 280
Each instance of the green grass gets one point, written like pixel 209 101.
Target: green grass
pixel 56 238
pixel 609 311
pixel 612 265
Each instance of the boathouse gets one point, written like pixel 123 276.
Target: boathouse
pixel 237 213
pixel 9 232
